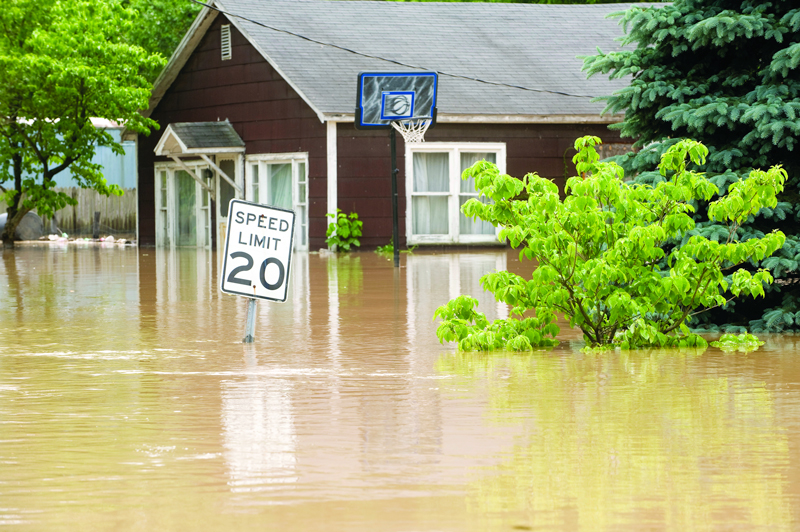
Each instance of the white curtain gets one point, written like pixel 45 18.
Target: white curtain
pixel 466 225
pixel 280 185
pixel 429 212
pixel 186 209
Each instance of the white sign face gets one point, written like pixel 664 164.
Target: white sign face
pixel 258 251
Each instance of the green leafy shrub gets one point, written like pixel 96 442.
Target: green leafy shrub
pixel 615 258
pixel 737 342
pixel 388 249
pixel 344 231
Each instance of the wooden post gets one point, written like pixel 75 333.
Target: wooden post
pixel 96 225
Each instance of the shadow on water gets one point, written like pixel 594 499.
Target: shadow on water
pixel 127 401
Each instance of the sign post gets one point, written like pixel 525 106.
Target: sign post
pixel 258 254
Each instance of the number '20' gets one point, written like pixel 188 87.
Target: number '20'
pixel 232 277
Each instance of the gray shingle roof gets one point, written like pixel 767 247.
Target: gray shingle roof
pixel 529 45
pixel 207 134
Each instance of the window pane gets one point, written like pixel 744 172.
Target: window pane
pixel 186 199
pixel 469 227
pixel 254 177
pixel 279 177
pixel 467 160
pixel 429 215
pixel 301 179
pixel 226 191
pixel 163 189
pixel 431 172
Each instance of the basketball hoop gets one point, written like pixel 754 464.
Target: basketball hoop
pixel 413 129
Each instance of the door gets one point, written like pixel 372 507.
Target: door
pixel 183 214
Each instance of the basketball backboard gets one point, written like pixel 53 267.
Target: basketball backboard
pixel 384 97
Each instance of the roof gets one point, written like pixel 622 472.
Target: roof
pixel 496 62
pixel 199 137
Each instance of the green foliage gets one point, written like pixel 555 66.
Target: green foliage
pixel 63 63
pixel 463 324
pixel 741 342
pixel 727 73
pixel 388 249
pixel 344 231
pixel 160 26
pixel 607 254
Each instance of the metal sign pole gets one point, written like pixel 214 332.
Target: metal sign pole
pixel 250 322
pixel 395 228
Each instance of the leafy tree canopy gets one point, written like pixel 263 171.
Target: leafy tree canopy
pixel 64 62
pixel 724 72
pixel 601 254
pixel 160 25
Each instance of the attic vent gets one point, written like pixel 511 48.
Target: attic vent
pixel 225 41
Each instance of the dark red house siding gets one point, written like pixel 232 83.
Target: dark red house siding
pixel 265 111
pixel 364 183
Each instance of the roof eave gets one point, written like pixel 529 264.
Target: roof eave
pixel 447 118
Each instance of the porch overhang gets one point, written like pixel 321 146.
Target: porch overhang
pixel 183 139
pixel 201 139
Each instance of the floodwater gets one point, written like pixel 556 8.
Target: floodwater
pixel 128 402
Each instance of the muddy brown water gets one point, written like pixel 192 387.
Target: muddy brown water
pixel 128 402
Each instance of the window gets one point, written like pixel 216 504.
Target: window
pixel 281 180
pixel 435 192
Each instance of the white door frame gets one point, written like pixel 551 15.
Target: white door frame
pixel 166 215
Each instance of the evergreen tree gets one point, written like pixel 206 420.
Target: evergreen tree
pixel 727 73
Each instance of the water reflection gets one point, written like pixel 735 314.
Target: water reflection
pixel 127 400
pixel 627 440
pixel 259 430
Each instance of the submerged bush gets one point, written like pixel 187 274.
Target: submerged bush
pixel 344 231
pixel 613 257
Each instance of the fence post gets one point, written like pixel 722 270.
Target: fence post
pixel 96 225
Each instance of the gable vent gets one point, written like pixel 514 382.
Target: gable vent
pixel 225 41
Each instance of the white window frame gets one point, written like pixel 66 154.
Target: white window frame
pixel 454 149
pixel 166 217
pixel 300 186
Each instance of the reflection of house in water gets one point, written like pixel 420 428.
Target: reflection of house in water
pixel 341 383
pixel 259 435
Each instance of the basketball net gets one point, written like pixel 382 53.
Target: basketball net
pixel 412 129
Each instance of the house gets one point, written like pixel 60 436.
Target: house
pixel 258 102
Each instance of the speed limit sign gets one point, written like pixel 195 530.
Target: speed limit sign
pixel 258 251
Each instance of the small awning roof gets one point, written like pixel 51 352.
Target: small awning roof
pixel 195 138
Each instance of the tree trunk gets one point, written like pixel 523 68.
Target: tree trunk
pixel 15 214
pixel 12 222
